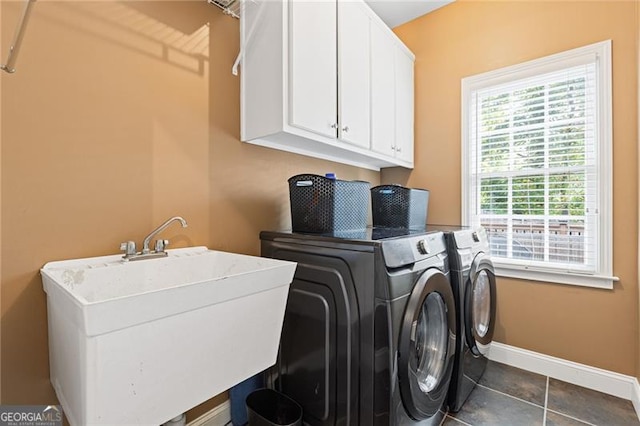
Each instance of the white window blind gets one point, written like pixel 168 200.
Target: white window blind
pixel 536 165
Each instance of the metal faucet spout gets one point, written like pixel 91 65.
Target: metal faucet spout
pixel 147 240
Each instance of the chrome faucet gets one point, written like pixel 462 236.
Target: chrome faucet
pixel 129 247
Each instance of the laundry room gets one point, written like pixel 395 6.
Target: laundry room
pixel 117 115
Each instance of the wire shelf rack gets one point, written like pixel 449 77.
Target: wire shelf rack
pixel 229 7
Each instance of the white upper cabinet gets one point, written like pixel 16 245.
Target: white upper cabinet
pixel 404 106
pixel 392 92
pixel 313 59
pixel 383 93
pixel 322 78
pixel 354 112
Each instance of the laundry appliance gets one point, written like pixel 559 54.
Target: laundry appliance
pixel 369 331
pixel 474 288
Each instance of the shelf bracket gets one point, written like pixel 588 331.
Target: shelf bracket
pixel 247 41
pixel 9 66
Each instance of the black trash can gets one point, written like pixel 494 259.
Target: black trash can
pixel 267 407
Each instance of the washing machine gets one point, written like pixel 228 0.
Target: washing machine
pixel 369 333
pixel 474 289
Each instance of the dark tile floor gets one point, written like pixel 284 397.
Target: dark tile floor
pixel 511 397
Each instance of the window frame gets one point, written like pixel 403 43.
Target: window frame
pixel 516 268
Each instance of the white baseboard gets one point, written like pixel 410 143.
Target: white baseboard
pixel 609 382
pixel 636 398
pixel 218 416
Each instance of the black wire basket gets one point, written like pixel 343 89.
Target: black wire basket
pixel 394 206
pixel 324 205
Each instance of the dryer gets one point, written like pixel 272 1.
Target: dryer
pixel 474 288
pixel 369 333
pixel 415 338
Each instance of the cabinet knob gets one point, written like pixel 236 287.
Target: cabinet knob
pixel 398 149
pixel 345 129
pixel 334 126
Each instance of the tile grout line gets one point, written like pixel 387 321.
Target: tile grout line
pixel 444 418
pixel 457 420
pixel 546 403
pixel 547 409
pixel 510 396
pixel 572 418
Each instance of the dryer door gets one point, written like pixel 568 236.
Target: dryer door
pixel 480 305
pixel 426 345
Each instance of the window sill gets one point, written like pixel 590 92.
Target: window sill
pixel 571 278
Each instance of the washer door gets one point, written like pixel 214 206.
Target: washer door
pixel 480 305
pixel 427 345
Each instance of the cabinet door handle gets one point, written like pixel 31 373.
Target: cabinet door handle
pixel 345 129
pixel 334 126
pixel 398 149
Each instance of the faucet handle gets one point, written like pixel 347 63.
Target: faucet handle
pixel 129 248
pixel 161 245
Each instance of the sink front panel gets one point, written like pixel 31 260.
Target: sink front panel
pixel 148 373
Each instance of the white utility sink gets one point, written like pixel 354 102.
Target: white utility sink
pixel 138 343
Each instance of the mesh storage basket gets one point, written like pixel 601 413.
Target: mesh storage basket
pixel 322 205
pixel 394 206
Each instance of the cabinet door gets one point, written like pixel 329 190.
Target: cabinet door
pixel 353 77
pixel 404 106
pixel 312 70
pixel 383 101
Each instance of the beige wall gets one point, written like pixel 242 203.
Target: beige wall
pixel 594 327
pixel 2 61
pixel 637 15
pixel 121 115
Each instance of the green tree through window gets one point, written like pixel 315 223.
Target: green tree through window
pixel 535 155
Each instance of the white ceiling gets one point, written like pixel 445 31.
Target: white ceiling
pixel 397 12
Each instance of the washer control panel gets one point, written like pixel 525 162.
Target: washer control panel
pixel 468 238
pixel 405 251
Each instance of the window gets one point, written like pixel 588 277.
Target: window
pixel 536 165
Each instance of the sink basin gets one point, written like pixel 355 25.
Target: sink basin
pixel 141 342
